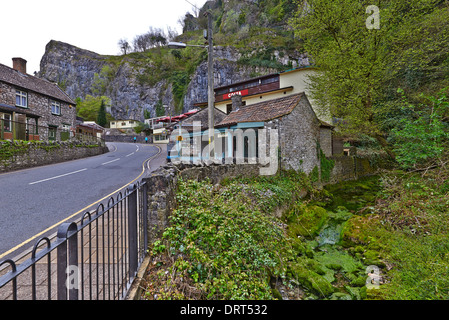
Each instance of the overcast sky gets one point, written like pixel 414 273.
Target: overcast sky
pixel 95 25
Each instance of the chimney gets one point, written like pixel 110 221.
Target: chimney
pixel 236 102
pixel 20 65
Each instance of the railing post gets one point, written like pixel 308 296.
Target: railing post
pixel 67 261
pixel 132 231
pixel 145 216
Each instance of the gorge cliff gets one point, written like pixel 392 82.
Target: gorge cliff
pixel 160 81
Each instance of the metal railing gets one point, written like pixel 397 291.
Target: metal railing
pixel 96 258
pixel 27 131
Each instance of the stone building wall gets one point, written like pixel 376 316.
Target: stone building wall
pixel 40 105
pixel 326 141
pixel 299 136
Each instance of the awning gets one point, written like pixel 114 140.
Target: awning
pixel 181 116
pixel 10 109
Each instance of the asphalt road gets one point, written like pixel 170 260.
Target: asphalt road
pixel 33 202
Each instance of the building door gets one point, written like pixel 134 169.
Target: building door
pixel 52 133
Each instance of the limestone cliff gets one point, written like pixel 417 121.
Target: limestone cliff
pixel 77 71
pixel 251 39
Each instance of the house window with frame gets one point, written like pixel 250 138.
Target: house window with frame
pixel 7 122
pixel 55 107
pixel 21 99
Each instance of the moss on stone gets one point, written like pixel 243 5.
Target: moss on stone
pixel 311 280
pixel 306 221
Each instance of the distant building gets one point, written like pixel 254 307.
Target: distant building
pixel 265 88
pixel 32 108
pixel 162 126
pixel 90 129
pixel 124 124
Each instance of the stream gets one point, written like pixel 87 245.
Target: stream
pixel 329 269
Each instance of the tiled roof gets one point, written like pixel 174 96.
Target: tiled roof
pixel 28 82
pixel 263 111
pixel 202 116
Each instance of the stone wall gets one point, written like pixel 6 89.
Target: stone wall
pixel 19 155
pixel 300 132
pixel 162 184
pixel 354 167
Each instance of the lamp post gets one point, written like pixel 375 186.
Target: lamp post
pixel 210 77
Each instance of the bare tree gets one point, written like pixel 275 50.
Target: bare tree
pixel 171 34
pixel 124 46
pixel 155 37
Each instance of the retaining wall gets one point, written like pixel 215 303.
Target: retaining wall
pixel 19 155
pixel 162 184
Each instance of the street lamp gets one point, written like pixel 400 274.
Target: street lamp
pixel 210 75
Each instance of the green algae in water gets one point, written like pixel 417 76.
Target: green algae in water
pixel 331 231
pixel 326 262
pixel 354 194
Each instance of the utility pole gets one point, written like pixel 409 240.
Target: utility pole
pixel 210 83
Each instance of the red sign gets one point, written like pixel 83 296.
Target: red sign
pixel 239 93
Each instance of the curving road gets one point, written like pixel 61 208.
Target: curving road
pixel 33 202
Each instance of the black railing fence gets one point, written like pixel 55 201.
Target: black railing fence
pixel 96 258
pixel 15 130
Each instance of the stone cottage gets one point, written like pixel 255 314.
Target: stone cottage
pixel 32 108
pixel 300 133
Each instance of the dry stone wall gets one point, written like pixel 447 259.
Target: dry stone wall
pixel 21 155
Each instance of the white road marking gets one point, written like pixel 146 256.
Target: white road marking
pixel 105 163
pixel 60 176
pixel 129 155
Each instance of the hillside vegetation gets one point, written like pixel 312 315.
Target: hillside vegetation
pixel 383 237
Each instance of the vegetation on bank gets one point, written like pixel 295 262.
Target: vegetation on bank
pixel 263 238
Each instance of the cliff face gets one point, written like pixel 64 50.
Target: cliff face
pixel 251 38
pixel 78 72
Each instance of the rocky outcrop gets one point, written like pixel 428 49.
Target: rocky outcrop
pixel 77 70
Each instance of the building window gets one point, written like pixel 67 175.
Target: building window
pixel 55 108
pixel 21 99
pixel 270 80
pixel 7 122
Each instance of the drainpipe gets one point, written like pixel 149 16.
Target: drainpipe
pixel 13 126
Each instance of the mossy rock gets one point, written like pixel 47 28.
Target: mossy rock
pixel 356 231
pixel 339 259
pixel 340 296
pixel 354 292
pixel 276 294
pixel 306 221
pixel 311 280
pixel 359 281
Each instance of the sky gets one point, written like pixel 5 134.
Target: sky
pixel 95 25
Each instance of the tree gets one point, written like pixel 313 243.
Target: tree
pixel 101 117
pixel 155 37
pixel 124 46
pixel 89 107
pixel 422 140
pixel 355 59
